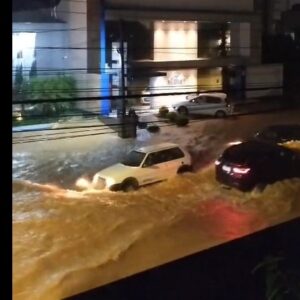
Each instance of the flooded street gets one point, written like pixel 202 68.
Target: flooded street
pixel 66 241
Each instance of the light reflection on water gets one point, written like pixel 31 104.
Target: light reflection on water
pixel 73 231
pixel 65 241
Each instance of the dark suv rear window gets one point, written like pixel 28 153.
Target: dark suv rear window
pixel 239 156
pixel 247 152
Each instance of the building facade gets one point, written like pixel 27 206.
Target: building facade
pixel 181 47
pixel 52 41
pixel 187 46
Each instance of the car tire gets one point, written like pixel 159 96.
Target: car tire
pixel 130 185
pixel 220 114
pixel 182 110
pixel 184 169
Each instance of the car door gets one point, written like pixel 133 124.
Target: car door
pixel 213 104
pixel 266 168
pixel 152 169
pixel 199 106
pixel 289 164
pixel 175 158
pixel 277 166
pixel 167 165
pixel 161 165
pixel 193 105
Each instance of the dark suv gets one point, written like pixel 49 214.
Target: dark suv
pixel 255 163
pixel 279 133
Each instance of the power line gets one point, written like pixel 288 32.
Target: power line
pixel 142 88
pixel 48 30
pixel 111 97
pixel 143 48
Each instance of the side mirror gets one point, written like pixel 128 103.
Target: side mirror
pixel 146 165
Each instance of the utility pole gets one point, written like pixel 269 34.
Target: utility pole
pixel 123 93
pixel 128 125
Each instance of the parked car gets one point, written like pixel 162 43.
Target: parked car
pixel 212 104
pixel 145 99
pixel 144 166
pixel 279 133
pixel 255 164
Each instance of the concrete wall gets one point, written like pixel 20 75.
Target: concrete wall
pixel 69 37
pixel 70 56
pixel 74 14
pixel 49 61
pixel 88 86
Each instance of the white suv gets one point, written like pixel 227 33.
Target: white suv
pixel 144 166
pixel 212 104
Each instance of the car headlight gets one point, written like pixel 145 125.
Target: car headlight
pixel 110 182
pixel 98 182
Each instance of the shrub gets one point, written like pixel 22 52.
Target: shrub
pixel 153 128
pixel 51 88
pixel 182 121
pixel 163 111
pixel 172 116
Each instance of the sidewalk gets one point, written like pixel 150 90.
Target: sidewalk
pixel 36 127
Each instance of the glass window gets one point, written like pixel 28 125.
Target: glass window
pixel 134 159
pixel 213 100
pixel 150 160
pixel 163 156
pixel 176 153
pixel 200 99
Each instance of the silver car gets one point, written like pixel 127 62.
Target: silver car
pixel 211 104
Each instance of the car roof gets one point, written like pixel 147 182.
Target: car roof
pixel 279 127
pixel 257 146
pixel 253 147
pixel 251 150
pixel 157 147
pixel 219 95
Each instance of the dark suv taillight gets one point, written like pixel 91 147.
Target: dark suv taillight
pixel 240 170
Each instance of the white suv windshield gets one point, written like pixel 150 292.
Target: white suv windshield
pixel 134 159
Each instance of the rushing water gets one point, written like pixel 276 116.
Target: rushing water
pixel 60 232
pixel 66 241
